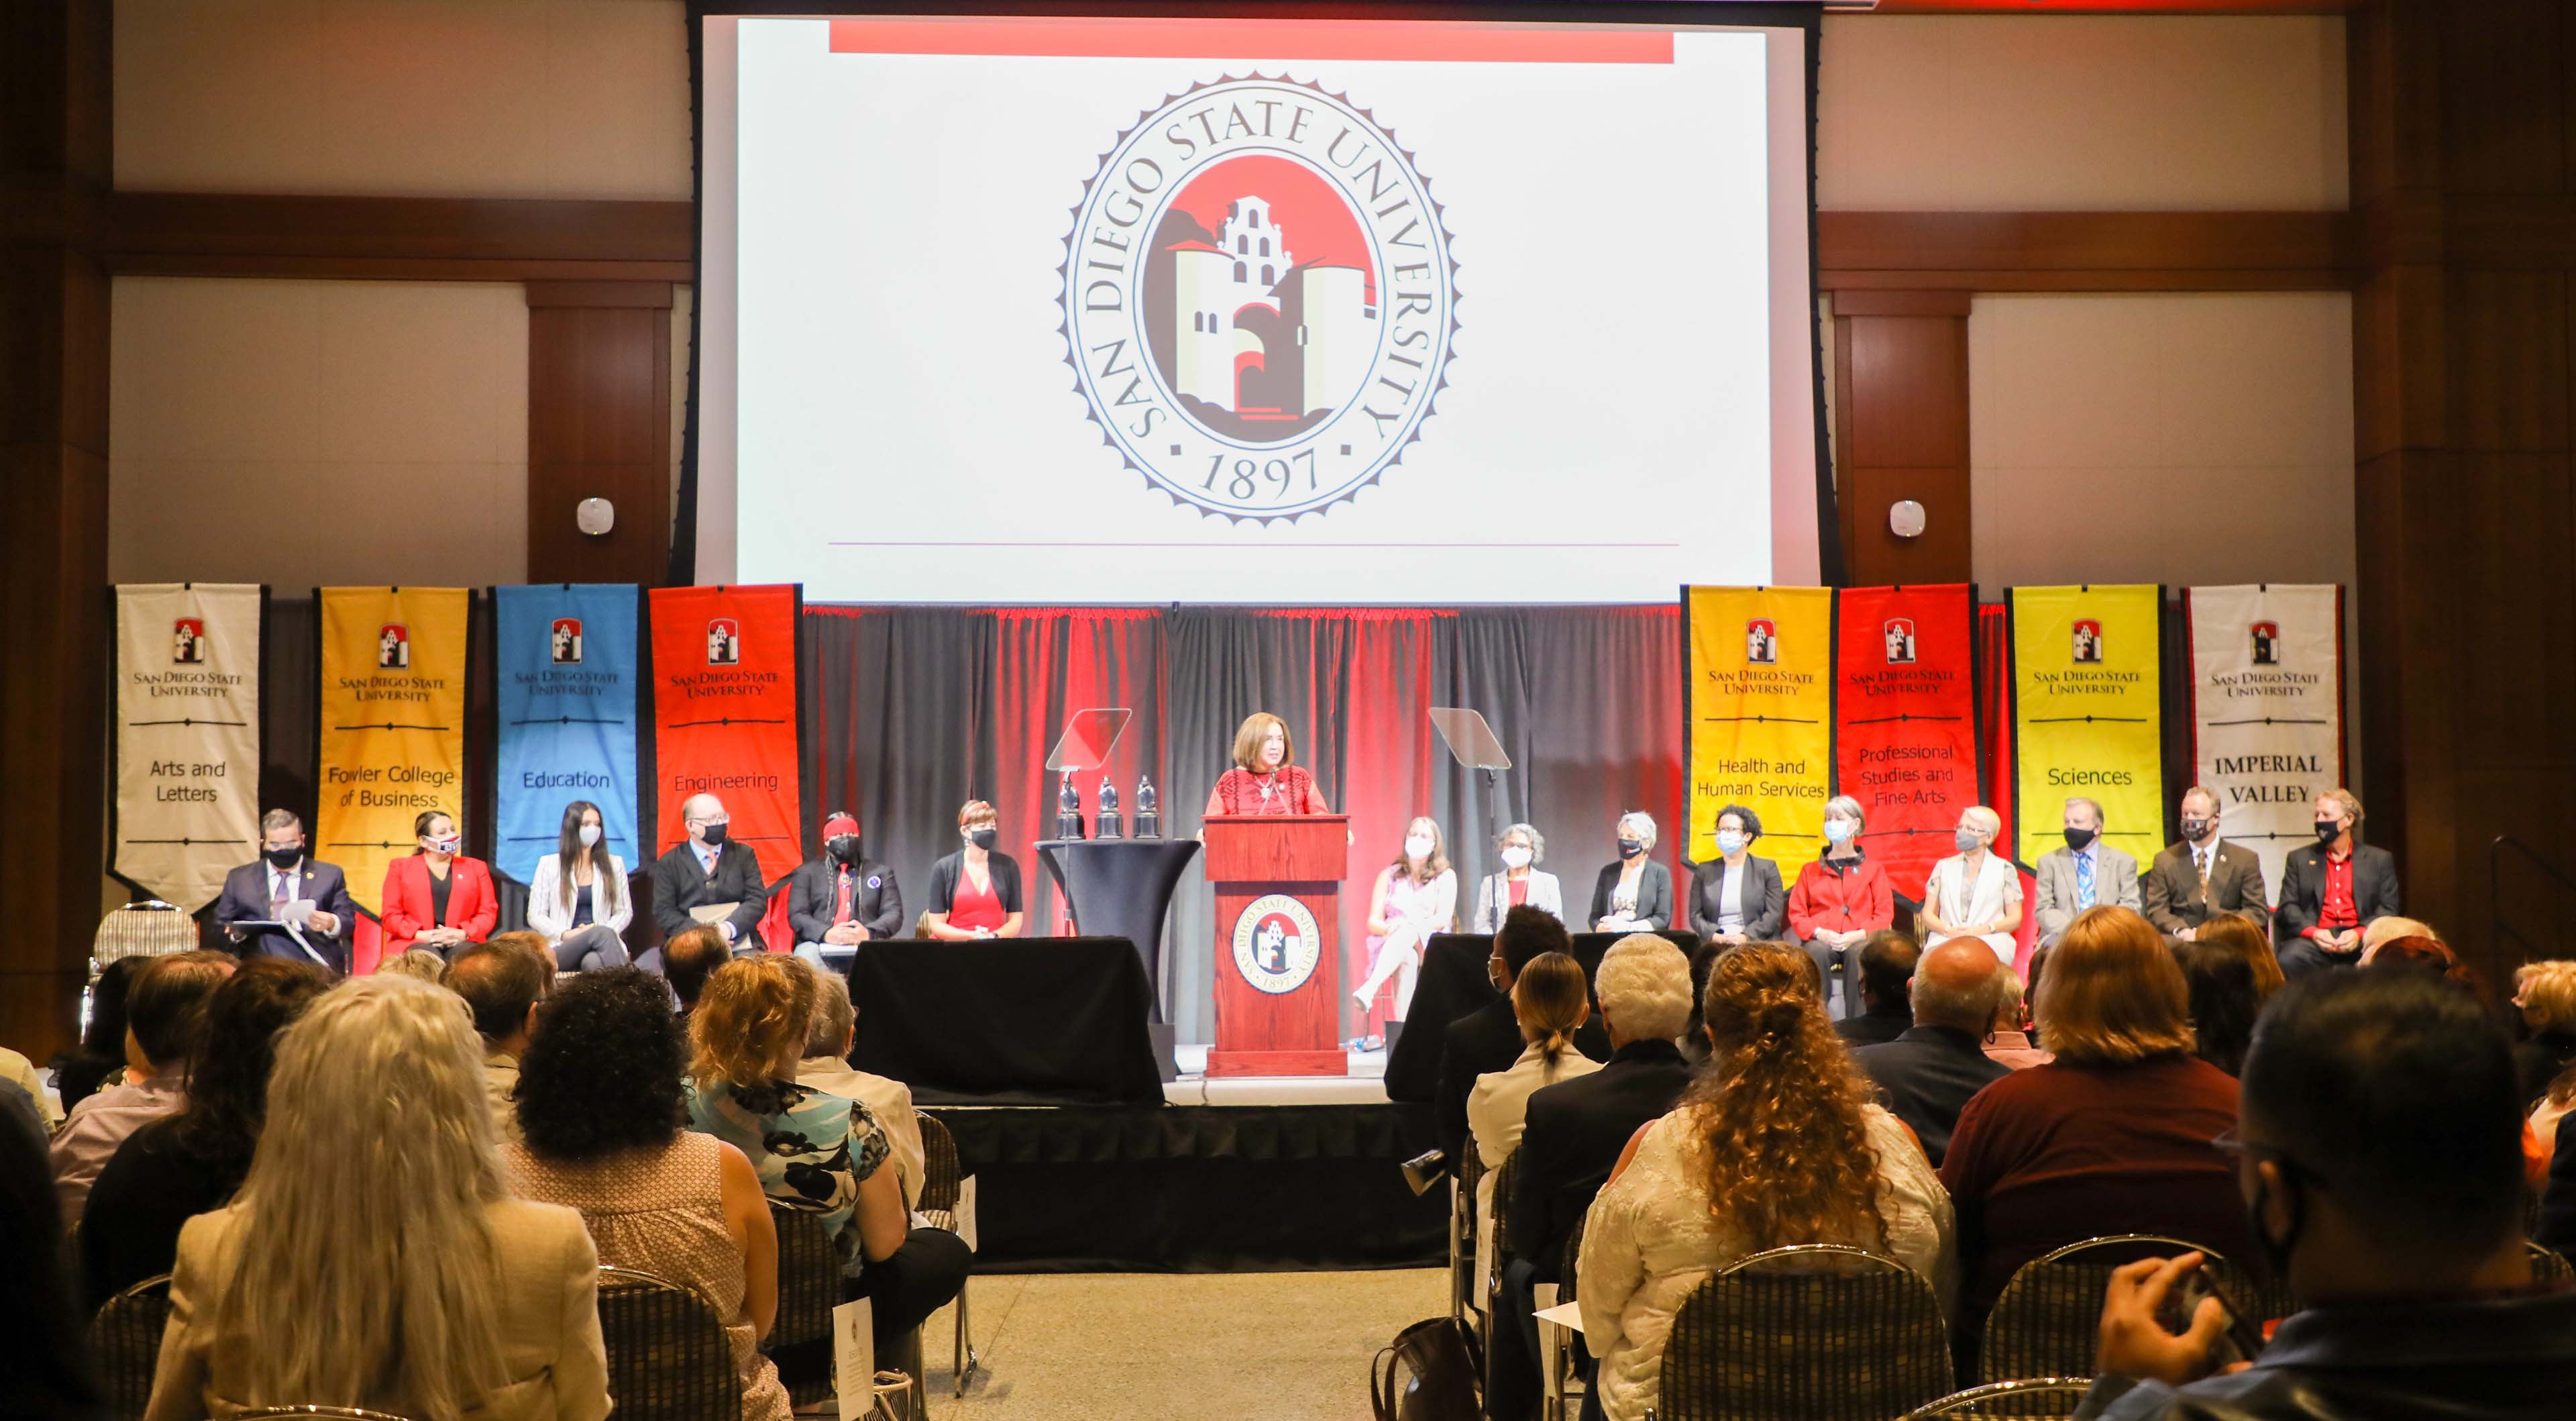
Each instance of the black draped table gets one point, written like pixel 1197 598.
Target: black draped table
pixel 1121 888
pixel 1031 1019
pixel 1453 983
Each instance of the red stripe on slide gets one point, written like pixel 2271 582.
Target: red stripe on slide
pixel 1104 38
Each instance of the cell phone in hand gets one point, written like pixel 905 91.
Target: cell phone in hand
pixel 2238 1340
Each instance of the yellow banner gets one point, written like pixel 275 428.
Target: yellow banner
pixel 393 724
pixel 2087 715
pixel 1759 700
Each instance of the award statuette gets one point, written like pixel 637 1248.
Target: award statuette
pixel 1068 810
pixel 1149 819
pixel 1110 825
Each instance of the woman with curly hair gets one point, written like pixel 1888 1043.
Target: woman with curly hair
pixel 1778 1142
pixel 600 1104
pixel 814 1153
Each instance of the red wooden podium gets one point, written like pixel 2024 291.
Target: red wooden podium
pixel 1278 882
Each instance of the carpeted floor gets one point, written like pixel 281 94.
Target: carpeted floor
pixel 1240 1346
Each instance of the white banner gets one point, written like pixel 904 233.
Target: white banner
pixel 187 736
pixel 2266 709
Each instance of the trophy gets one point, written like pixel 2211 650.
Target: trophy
pixel 1149 819
pixel 1068 810
pixel 1110 825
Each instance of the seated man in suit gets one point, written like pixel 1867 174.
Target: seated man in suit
pixel 260 892
pixel 841 900
pixel 2203 875
pixel 2332 890
pixel 1928 1073
pixel 706 870
pixel 1488 1039
pixel 2086 873
pixel 1574 1133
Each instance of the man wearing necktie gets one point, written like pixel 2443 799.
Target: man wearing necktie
pixel 2087 873
pixel 264 892
pixel 2203 874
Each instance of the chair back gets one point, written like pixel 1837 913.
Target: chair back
pixel 2547 1264
pixel 1573 1255
pixel 941 1175
pixel 1812 1332
pixel 2034 1399
pixel 2048 1321
pixel 125 1338
pixel 668 1356
pixel 1506 1178
pixel 325 1413
pixel 809 1286
pixel 141 930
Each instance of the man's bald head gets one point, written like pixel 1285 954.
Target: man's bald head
pixel 1954 985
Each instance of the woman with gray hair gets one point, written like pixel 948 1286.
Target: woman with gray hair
pixel 1840 899
pixel 1521 847
pixel 1636 893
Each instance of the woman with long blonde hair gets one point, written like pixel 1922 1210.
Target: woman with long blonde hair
pixel 1778 1142
pixel 373 1257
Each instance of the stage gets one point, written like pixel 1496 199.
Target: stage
pixel 1241 1174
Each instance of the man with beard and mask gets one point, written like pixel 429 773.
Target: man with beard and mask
pixel 2086 873
pixel 2203 874
pixel 2378 1153
pixel 2332 890
pixel 709 871
pixel 265 892
pixel 841 900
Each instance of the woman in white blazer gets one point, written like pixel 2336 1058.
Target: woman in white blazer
pixel 583 912
pixel 1520 881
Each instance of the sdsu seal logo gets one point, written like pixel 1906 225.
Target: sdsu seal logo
pixel 1259 301
pixel 1275 944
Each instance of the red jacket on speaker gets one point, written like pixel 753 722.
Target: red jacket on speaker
pixel 405 910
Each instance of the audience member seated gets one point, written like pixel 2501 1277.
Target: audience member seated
pixel 599 1109
pixel 829 1034
pixel 841 900
pixel 2383 931
pixel 163 1013
pixel 2219 984
pixel 710 872
pixel 2202 877
pixel 174 1169
pixel 2008 1038
pixel 1548 999
pixel 1777 1144
pixel 80 1073
pixel 2249 941
pixel 1572 1133
pixel 2086 873
pixel 2376 1160
pixel 1488 1039
pixel 420 964
pixel 16 1070
pixel 686 959
pixel 374 1257
pixel 2427 955
pixel 1886 968
pixel 1926 1075
pixel 266 892
pixel 578 899
pixel 2556 1099
pixel 502 980
pixel 815 1153
pixel 44 1333
pixel 2545 994
pixel 2332 889
pixel 1840 899
pixel 2110 1137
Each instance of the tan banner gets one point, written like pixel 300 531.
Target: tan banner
pixel 187 736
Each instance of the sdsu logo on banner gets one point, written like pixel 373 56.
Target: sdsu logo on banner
pixel 393 724
pixel 1258 298
pixel 2087 714
pixel 1758 697
pixel 565 694
pixel 2266 710
pixel 1905 729
pixel 724 716
pixel 1275 944
pixel 187 736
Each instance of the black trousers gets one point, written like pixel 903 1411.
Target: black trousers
pixel 923 1276
pixel 1513 1387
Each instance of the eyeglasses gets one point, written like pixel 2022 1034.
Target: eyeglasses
pixel 2232 1143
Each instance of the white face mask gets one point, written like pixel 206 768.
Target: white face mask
pixel 589 835
pixel 1417 847
pixel 1516 857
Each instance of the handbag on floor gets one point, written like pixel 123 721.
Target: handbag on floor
pixel 1433 1371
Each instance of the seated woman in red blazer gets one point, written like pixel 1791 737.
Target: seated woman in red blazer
pixel 437 898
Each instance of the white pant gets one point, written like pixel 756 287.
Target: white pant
pixel 1397 957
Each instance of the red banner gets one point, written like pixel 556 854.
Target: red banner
pixel 1905 729
pixel 724 715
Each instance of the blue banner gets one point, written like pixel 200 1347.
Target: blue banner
pixel 567 683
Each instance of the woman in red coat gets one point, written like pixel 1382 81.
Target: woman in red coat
pixel 437 898
pixel 1840 899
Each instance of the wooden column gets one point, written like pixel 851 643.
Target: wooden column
pixel 1901 432
pixel 599 426
pixel 54 67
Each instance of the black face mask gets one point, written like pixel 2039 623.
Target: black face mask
pixel 2078 838
pixel 1630 848
pixel 982 838
pixel 2328 831
pixel 844 847
pixel 714 835
pixel 284 858
pixel 2195 830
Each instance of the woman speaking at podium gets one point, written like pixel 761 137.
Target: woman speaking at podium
pixel 1263 780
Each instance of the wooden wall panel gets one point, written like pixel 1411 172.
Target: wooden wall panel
pixel 1901 412
pixel 599 426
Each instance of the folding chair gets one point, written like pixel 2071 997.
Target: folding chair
pixel 1557 1373
pixel 125 1338
pixel 2547 1264
pixel 809 1287
pixel 150 928
pixel 1465 1303
pixel 1812 1332
pixel 2048 1322
pixel 2035 1399
pixel 943 1182
pixel 1506 1176
pixel 668 1356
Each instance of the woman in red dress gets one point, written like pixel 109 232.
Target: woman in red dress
pixel 974 892
pixel 1263 780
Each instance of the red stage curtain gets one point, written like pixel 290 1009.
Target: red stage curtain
pixel 1047 664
